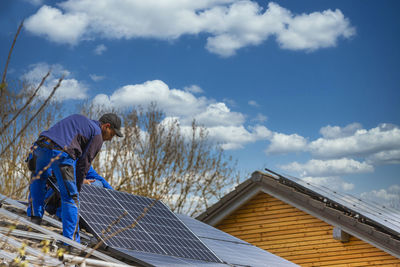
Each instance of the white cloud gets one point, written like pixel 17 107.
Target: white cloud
pixel 100 49
pixel 334 132
pixel 333 167
pixel 96 78
pixel 384 157
pixel 218 114
pixel 283 143
pixel 341 150
pixel 230 101
pixel 260 118
pixel 253 103
pixel 224 125
pixel 361 143
pixel 194 89
pixel 235 137
pixel 331 182
pixel 315 30
pixel 172 101
pixel 379 145
pixel 229 24
pixel 58 27
pixel 388 197
pixel 70 88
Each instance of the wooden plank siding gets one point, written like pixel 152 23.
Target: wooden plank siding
pixel 290 233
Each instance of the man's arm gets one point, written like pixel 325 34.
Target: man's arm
pixel 84 162
pixel 92 174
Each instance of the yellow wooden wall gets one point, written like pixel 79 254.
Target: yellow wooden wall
pixel 299 237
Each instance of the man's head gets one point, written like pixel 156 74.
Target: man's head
pixel 110 126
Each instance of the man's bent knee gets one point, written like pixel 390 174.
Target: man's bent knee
pixel 67 173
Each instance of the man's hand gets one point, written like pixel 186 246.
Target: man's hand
pixel 87 181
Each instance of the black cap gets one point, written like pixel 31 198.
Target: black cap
pixel 114 121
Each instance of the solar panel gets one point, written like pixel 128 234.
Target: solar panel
pixel 126 221
pixel 204 230
pixel 232 250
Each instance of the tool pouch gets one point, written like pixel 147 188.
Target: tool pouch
pixel 31 162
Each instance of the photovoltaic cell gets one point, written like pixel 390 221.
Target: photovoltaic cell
pixel 125 221
pixel 232 250
pixel 203 230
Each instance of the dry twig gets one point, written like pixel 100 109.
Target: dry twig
pixel 3 80
pixel 34 116
pixel 26 104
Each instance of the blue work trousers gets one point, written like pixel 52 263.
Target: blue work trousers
pixel 63 169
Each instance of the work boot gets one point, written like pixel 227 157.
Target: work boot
pixel 36 219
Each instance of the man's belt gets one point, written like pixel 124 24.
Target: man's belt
pixel 46 142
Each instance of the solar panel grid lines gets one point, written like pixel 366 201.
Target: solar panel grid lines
pixel 163 225
pixel 157 230
pixel 125 235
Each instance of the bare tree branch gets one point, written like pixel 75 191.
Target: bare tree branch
pixel 3 80
pixel 26 104
pixel 34 116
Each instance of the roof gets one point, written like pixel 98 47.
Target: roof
pixel 231 250
pixel 374 224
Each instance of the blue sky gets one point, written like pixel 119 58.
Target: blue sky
pixel 306 88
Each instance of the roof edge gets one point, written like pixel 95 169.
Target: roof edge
pixel 233 200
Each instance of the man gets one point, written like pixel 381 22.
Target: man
pixel 75 138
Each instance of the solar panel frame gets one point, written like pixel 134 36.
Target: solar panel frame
pixel 149 259
pixel 159 231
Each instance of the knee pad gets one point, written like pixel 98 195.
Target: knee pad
pixel 67 172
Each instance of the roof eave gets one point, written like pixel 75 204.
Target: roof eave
pixel 232 201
